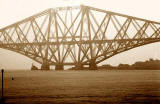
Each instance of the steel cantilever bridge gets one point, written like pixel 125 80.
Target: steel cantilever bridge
pixel 77 36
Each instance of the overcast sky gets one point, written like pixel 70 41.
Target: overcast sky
pixel 14 10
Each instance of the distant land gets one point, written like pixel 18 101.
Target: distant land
pixel 150 64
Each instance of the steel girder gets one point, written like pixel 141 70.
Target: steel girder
pixel 77 35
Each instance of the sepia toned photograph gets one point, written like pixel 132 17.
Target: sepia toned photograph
pixel 79 52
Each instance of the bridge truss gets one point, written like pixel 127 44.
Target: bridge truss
pixel 77 36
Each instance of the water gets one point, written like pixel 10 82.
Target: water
pixel 83 87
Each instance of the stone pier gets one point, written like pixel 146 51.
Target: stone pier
pixel 92 65
pixel 45 66
pixel 59 67
pixel 79 67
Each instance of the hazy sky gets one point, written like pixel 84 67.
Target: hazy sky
pixel 14 10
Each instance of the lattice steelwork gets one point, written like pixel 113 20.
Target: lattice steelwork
pixel 77 36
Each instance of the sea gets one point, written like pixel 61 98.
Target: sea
pixel 81 87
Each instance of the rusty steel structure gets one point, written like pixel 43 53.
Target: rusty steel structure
pixel 77 36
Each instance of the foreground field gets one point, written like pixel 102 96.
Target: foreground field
pixel 83 87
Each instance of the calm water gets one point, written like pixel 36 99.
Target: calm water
pixel 83 87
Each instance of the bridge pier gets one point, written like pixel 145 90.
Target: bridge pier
pixel 45 66
pixel 92 65
pixel 59 67
pixel 79 67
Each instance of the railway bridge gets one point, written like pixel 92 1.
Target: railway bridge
pixel 78 36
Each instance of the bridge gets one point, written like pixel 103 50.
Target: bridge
pixel 79 36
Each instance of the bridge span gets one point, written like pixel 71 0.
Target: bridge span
pixel 77 36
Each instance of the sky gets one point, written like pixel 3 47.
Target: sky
pixel 12 11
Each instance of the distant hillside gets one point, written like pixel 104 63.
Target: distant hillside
pixel 150 64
